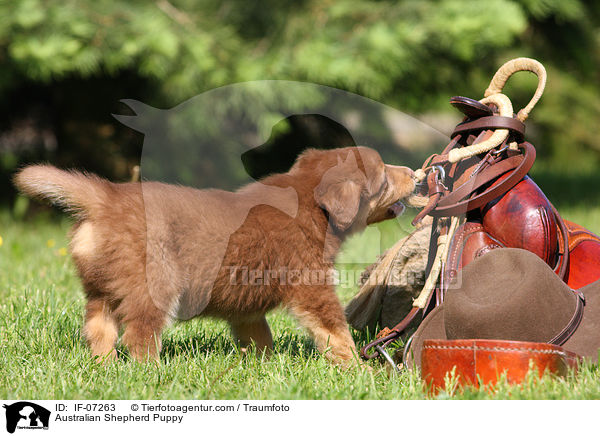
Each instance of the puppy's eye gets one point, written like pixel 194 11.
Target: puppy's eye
pixel 385 183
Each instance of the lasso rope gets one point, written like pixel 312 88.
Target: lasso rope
pixel 511 67
pixel 441 254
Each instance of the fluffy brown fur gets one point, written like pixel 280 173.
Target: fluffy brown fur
pixel 149 252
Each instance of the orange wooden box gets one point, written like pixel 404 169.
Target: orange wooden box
pixel 482 361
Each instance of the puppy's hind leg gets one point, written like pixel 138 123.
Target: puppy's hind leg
pixel 142 335
pixel 255 330
pixel 146 312
pixel 319 310
pixel 101 329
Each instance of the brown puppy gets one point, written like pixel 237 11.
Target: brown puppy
pixel 149 252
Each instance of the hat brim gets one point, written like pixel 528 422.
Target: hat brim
pixel 432 327
pixel 585 341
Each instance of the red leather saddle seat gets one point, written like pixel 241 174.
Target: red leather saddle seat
pixel 524 218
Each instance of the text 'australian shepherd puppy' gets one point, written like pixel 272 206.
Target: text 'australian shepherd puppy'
pixel 150 252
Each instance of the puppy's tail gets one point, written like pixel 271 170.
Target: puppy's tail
pixel 74 191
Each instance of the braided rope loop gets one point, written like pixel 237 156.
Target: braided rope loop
pixel 510 68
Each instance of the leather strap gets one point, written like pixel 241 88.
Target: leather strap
pixel 490 123
pixel 436 189
pixel 570 328
pixel 485 176
pixel 441 159
pixel 456 206
pixel 561 268
pixel 383 341
pixel 433 200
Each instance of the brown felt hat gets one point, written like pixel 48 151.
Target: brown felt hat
pixel 512 294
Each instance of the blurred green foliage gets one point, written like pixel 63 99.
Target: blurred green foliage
pixel 79 57
pixel 385 50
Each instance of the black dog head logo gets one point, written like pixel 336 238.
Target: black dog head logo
pixel 26 415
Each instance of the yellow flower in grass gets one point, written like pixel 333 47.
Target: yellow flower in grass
pixel 1 241
pixel 50 243
pixel 62 251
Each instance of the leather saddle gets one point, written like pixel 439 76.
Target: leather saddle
pixel 494 203
pixel 521 217
pixel 481 198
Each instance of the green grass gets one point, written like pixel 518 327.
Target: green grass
pixel 43 355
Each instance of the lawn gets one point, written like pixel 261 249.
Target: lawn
pixel 44 356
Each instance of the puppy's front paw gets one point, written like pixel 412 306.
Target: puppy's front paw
pixel 339 349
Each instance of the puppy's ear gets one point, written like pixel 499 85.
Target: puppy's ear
pixel 341 200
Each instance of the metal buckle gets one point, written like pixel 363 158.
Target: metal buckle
pixel 497 152
pixel 441 173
